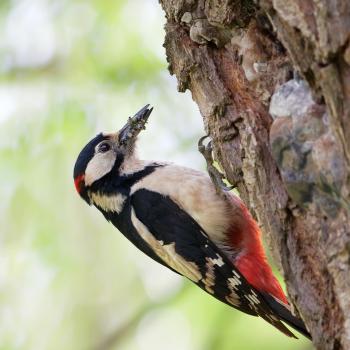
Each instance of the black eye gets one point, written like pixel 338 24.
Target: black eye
pixel 104 147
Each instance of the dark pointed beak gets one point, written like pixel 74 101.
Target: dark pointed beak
pixel 134 126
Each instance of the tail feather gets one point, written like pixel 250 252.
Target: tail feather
pixel 283 311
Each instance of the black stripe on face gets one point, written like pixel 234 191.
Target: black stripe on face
pixel 113 183
pixel 86 155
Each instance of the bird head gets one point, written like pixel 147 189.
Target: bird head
pixel 105 154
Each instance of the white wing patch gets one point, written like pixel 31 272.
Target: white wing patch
pixel 167 252
pixel 114 203
pixel 252 298
pixel 233 284
pixel 233 299
pixel 209 280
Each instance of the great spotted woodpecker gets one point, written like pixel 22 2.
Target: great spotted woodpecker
pixel 175 216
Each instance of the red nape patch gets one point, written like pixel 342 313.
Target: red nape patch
pixel 79 183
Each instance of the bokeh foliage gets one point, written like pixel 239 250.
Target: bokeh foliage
pixel 69 280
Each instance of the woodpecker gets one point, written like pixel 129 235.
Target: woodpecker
pixel 174 215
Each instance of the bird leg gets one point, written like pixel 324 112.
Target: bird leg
pixel 216 176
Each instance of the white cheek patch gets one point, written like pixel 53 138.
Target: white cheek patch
pixel 100 165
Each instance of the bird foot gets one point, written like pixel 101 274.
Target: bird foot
pixel 216 176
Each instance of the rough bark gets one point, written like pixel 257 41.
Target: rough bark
pixel 272 81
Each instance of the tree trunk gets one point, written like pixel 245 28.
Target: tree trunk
pixel 272 81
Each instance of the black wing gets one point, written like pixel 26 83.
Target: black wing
pixel 183 246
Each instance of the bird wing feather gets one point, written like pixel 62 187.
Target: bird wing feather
pixel 183 246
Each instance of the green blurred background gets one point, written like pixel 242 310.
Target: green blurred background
pixel 69 280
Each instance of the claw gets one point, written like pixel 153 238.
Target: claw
pixel 216 176
pixel 209 147
pixel 201 147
